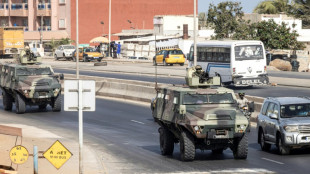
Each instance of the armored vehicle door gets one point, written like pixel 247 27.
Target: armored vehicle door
pixel 170 108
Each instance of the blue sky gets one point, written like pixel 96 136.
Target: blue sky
pixel 248 5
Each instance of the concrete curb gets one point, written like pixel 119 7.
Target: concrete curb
pixel 136 90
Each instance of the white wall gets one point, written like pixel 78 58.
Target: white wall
pixel 173 25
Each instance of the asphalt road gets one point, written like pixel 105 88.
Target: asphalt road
pixel 289 74
pixel 261 91
pixel 128 131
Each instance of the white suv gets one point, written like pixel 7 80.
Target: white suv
pixel 64 51
pixel 284 122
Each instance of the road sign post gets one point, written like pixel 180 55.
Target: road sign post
pixel 80 96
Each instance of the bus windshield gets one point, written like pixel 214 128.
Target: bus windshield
pixel 249 52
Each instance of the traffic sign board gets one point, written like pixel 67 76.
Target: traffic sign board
pixel 19 154
pixel 57 154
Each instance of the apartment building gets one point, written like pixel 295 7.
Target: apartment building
pixel 50 16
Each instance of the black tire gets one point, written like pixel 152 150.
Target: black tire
pixel 42 106
pixel 98 60
pixel 20 104
pixel 166 140
pixel 218 151
pixel 7 101
pixel 56 58
pixel 282 149
pixel 264 146
pixel 240 149
pixel 154 62
pixel 165 64
pixel 56 106
pixel 182 64
pixel 187 147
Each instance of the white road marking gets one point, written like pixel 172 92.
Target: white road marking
pixel 137 121
pixel 272 161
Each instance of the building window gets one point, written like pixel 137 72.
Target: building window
pixel 62 23
pixel 62 1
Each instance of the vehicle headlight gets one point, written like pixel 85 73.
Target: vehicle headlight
pixel 290 128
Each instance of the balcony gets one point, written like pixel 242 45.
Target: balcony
pixel 44 9
pixel 19 9
pixel 4 9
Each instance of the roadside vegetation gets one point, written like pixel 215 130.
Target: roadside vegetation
pixel 53 44
pixel 227 21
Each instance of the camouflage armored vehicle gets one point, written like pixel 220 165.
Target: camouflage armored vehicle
pixel 29 83
pixel 201 115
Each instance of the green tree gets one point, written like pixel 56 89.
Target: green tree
pixel 202 19
pixel 301 9
pixel 53 44
pixel 65 41
pixel 275 36
pixel 272 7
pixel 225 18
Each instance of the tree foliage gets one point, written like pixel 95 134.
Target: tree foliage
pixel 225 18
pixel 202 19
pixel 53 44
pixel 272 7
pixel 301 9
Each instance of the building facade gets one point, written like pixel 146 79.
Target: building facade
pixel 125 14
pixel 50 16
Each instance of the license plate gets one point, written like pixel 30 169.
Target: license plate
pixel 246 81
pixel 176 57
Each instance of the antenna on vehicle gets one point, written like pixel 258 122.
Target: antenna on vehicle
pixel 156 87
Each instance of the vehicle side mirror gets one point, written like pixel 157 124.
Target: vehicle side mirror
pixel 251 107
pixel 182 109
pixel 273 116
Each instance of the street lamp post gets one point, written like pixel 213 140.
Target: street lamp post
pixel 195 37
pixel 110 6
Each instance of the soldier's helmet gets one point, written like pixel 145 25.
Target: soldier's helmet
pixel 198 68
pixel 241 94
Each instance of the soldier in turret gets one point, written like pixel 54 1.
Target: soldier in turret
pixel 203 76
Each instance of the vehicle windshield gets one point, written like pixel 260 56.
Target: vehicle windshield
pixel 33 71
pixel 295 110
pixel 175 52
pixel 69 47
pixel 249 52
pixel 196 99
pixel 89 50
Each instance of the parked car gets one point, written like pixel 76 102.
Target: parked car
pixel 169 56
pixel 87 54
pixel 64 51
pixel 284 122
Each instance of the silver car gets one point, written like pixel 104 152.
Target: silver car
pixel 284 122
pixel 64 51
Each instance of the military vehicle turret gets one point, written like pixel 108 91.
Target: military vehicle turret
pixel 29 82
pixel 200 115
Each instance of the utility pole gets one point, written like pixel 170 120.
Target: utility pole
pixel 77 40
pixel 41 31
pixel 110 6
pixel 195 36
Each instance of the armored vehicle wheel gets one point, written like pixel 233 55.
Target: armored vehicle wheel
pixel 20 104
pixel 282 149
pixel 240 149
pixel 187 147
pixel 264 146
pixel 218 151
pixel 165 64
pixel 7 101
pixel 154 62
pixel 42 106
pixel 166 139
pixel 56 106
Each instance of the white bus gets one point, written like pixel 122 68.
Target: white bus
pixel 240 63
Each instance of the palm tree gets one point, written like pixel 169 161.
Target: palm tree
pixel 272 7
